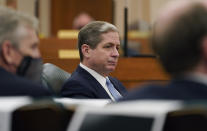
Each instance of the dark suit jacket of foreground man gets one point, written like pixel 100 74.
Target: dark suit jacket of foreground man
pixel 177 89
pixel 83 85
pixel 13 85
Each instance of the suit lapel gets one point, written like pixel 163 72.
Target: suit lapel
pixel 97 87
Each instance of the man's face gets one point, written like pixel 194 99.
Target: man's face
pixel 103 59
pixel 28 46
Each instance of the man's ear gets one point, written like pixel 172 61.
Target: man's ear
pixel 85 50
pixel 8 52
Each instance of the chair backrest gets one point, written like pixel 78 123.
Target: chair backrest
pixel 194 119
pixel 140 115
pixel 41 115
pixel 54 77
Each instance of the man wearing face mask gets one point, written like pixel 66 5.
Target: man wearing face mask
pixel 19 55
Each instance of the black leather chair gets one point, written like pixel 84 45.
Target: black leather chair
pixel 54 77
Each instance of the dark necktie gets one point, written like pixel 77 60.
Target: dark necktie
pixel 113 90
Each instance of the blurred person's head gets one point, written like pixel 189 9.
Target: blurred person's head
pixel 18 41
pixel 180 37
pixel 98 44
pixel 11 4
pixel 81 20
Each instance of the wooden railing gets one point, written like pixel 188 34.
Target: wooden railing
pixel 49 47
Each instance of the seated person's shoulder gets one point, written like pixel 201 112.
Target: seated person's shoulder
pixel 76 89
pixel 76 81
pixel 19 86
pixel 35 89
pixel 146 92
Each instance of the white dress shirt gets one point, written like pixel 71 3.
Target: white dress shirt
pixel 99 78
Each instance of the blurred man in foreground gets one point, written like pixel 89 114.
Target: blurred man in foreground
pixel 180 41
pixel 19 55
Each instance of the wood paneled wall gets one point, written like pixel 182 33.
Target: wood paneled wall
pixel 64 11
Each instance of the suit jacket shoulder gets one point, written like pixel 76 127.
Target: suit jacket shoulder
pixel 178 89
pixel 82 84
pixel 13 85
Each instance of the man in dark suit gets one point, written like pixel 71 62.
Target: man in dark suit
pixel 19 55
pixel 98 44
pixel 180 41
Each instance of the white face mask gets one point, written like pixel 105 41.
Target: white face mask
pixel 30 68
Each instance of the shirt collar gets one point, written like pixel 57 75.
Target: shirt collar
pixel 97 76
pixel 197 77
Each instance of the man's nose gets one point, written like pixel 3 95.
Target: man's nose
pixel 115 53
pixel 36 54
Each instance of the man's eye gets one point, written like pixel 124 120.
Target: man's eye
pixel 108 46
pixel 34 46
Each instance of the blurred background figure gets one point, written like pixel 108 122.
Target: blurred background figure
pixel 81 20
pixel 11 4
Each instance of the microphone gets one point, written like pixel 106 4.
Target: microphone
pixel 126 29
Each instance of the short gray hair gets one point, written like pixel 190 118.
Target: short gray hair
pixel 91 34
pixel 10 23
